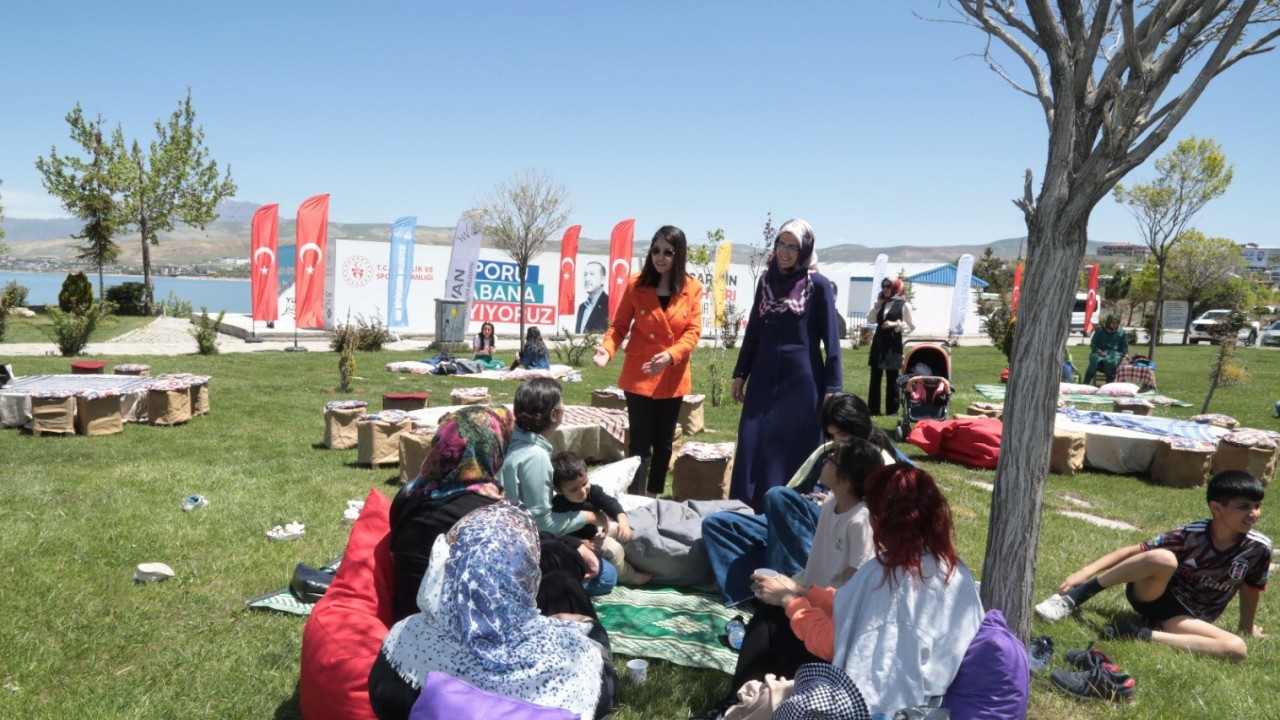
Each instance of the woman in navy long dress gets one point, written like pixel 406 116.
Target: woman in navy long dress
pixel 790 361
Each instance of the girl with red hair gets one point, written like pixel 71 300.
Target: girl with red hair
pixel 892 316
pixel 902 625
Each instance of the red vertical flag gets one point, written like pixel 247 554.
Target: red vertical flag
pixel 568 269
pixel 264 283
pixel 620 261
pixel 1091 304
pixel 1017 290
pixel 308 289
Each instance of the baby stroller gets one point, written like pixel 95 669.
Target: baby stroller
pixel 925 385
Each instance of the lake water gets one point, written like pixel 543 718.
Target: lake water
pixel 230 295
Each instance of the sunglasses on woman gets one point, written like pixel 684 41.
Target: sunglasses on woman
pixel 662 252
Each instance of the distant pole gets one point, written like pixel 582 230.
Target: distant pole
pixel 254 338
pixel 296 347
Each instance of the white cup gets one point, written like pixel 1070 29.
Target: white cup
pixel 766 572
pixel 637 670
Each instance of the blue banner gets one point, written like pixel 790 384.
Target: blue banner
pixel 401 271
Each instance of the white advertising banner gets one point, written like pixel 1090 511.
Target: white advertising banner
pixel 467 240
pixel 960 296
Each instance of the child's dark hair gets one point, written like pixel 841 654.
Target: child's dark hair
pixel 856 459
pixel 533 336
pixel 1230 484
pixel 534 403
pixel 851 414
pixel 567 466
pixel 493 334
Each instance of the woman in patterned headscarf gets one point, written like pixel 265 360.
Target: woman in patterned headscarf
pixel 459 476
pixel 789 363
pixel 479 623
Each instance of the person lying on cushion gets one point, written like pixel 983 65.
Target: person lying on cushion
pixel 479 623
pixel 782 536
pixel 904 622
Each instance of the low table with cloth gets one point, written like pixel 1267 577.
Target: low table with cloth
pixel 1124 444
pixel 15 398
pixel 597 434
pixel 1141 374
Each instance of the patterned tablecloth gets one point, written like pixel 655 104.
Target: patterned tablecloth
pixel 597 434
pixel 15 399
pixel 1143 377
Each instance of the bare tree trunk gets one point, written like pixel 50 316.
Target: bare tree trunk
pixel 1157 314
pixel 102 289
pixel 1053 259
pixel 146 269
pixel 522 269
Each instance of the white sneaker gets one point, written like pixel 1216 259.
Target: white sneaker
pixel 352 513
pixel 150 572
pixel 292 531
pixel 1055 608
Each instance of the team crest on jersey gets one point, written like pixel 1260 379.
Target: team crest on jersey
pixel 1238 569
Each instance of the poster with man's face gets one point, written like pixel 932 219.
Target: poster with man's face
pixel 593 311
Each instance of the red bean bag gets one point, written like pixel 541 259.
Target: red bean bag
pixel 345 631
pixel 969 441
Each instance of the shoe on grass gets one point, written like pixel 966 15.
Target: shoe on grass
pixel 1055 608
pixel 1122 628
pixel 352 513
pixel 1090 658
pixel 292 531
pixel 1095 684
pixel 151 572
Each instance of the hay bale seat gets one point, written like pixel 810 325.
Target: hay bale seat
pixel 98 412
pixel 1132 406
pixel 702 471
pixel 53 413
pixel 471 396
pixel 340 418
pixel 611 398
pixel 691 419
pixel 132 369
pixel 1183 462
pixel 1066 453
pixel 407 402
pixel 169 402
pixel 378 442
pixel 986 409
pixel 1253 451
pixel 414 447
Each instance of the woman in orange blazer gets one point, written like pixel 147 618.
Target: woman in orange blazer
pixel 661 310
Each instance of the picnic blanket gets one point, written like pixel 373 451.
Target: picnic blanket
pixel 520 374
pixel 1161 426
pixel 996 392
pixel 679 625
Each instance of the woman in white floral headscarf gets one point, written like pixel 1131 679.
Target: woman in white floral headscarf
pixel 479 623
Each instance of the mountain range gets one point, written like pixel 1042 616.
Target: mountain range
pixel 229 237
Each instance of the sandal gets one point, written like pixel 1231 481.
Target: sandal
pixel 292 531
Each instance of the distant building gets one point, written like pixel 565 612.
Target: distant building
pixel 1123 250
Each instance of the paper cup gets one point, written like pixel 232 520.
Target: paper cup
pixel 766 572
pixel 637 670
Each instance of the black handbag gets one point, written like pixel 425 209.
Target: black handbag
pixel 310 584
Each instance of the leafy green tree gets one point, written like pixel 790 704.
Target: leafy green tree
pixel 1189 176
pixel 1201 268
pixel 995 271
pixel 76 295
pixel 172 180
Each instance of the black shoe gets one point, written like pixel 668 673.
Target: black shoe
pixel 1090 658
pixel 1041 652
pixel 1095 684
pixel 1121 628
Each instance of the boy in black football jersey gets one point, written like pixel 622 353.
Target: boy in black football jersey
pixel 1181 581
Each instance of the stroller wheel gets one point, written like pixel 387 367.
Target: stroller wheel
pixel 902 430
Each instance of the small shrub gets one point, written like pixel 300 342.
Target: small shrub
pixel 344 337
pixel 730 325
pixel 76 295
pixel 128 297
pixel 206 332
pixel 71 331
pixel 575 350
pixel 13 295
pixel 363 335
pixel 1000 324
pixel 174 306
pixel 4 316
pixel 1233 376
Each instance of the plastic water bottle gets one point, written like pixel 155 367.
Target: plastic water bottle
pixel 736 629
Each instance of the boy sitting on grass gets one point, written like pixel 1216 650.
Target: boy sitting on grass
pixel 575 493
pixel 1181 581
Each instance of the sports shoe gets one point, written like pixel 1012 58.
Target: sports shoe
pixel 292 531
pixel 192 502
pixel 1056 608
pixel 352 513
pixel 1121 628
pixel 1041 652
pixel 1095 684
pixel 1090 658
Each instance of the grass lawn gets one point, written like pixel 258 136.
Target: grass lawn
pixel 39 328
pixel 81 640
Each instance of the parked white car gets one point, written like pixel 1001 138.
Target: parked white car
pixel 1202 328
pixel 1272 335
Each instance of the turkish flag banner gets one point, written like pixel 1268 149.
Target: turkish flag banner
pixel 264 283
pixel 568 269
pixel 1017 290
pixel 1091 304
pixel 308 289
pixel 620 242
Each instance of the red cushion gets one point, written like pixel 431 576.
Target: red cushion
pixel 87 367
pixel 404 396
pixel 969 441
pixel 345 631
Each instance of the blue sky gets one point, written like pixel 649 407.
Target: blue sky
pixel 869 122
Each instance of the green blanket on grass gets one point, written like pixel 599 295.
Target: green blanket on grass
pixel 996 392
pixel 679 625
